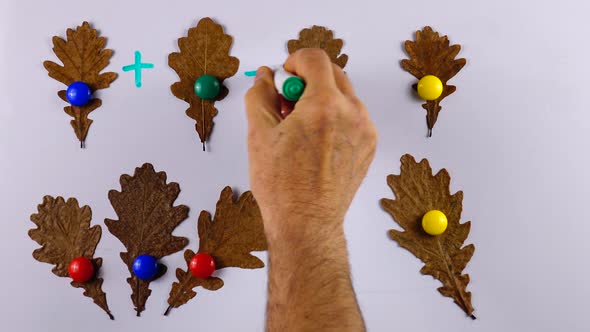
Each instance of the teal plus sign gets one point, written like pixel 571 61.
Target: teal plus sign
pixel 137 67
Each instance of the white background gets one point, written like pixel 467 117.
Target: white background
pixel 514 138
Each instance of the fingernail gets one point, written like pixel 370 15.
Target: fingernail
pixel 259 74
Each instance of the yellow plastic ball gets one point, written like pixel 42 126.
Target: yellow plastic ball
pixel 434 222
pixel 430 87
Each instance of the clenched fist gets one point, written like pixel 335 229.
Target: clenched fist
pixel 310 164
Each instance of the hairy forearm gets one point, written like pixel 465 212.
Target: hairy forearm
pixel 309 279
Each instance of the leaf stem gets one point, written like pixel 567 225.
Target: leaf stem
pixel 137 298
pixel 167 310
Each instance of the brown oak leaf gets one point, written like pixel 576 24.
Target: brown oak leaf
pixel 64 233
pixel 182 290
pixel 319 37
pixel 204 51
pixel 417 191
pixel 236 231
pixel 84 56
pixel 147 218
pixel 432 54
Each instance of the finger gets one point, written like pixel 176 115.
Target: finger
pixel 342 81
pixel 262 102
pixel 315 67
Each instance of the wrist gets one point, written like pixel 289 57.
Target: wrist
pixel 295 230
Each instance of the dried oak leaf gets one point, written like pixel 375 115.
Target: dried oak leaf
pixel 64 233
pixel 204 51
pixel 182 290
pixel 319 37
pixel 147 218
pixel 236 231
pixel 84 56
pixel 431 54
pixel 417 191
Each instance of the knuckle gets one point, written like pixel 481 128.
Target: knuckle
pixel 326 112
pixel 358 104
pixel 250 96
pixel 312 53
pixel 328 101
pixel 372 135
pixel 257 91
pixel 324 117
pixel 367 132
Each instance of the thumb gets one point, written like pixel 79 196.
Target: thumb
pixel 263 104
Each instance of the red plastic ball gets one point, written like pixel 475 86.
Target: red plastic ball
pixel 202 265
pixel 81 269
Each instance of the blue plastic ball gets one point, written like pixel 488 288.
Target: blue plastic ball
pixel 78 94
pixel 145 267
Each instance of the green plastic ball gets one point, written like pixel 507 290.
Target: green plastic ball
pixel 207 87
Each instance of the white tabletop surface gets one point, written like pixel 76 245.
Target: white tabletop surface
pixel 514 138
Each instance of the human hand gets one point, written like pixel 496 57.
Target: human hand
pixel 306 168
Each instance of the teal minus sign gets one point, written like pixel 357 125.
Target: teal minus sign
pixel 137 67
pixel 250 73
